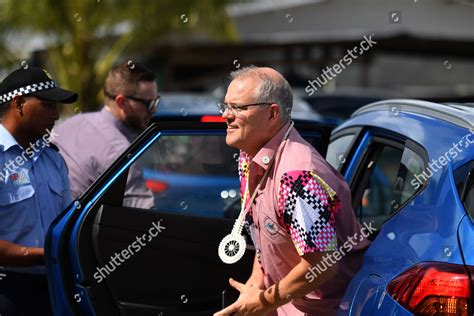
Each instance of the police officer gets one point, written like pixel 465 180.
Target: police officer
pixel 34 186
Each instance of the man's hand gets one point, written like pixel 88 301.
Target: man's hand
pixel 248 303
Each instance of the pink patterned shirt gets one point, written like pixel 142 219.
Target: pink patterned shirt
pixel 303 206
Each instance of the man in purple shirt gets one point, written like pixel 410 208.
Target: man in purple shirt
pixel 90 142
pixel 308 241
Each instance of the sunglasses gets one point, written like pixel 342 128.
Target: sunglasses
pixel 151 105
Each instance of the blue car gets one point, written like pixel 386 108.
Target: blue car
pixel 410 166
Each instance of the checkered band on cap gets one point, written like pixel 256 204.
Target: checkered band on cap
pixel 35 87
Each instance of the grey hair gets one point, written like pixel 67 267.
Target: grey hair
pixel 270 90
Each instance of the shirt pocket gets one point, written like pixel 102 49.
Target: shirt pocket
pixel 15 187
pixel 57 192
pixel 55 186
pixel 17 211
pixel 11 195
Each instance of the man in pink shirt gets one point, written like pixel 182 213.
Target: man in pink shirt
pixel 308 241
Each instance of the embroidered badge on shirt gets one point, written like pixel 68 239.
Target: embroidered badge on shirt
pixel 19 178
pixel 271 227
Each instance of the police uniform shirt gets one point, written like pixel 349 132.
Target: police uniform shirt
pixel 34 189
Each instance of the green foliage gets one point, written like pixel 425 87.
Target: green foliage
pixel 86 37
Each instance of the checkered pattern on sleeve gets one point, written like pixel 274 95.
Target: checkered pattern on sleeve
pixel 35 87
pixel 307 207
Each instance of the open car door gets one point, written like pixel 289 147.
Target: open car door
pixel 107 256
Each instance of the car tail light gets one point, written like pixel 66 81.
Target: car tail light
pixel 431 288
pixel 156 186
pixel 212 119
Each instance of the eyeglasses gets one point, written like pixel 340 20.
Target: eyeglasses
pixel 151 105
pixel 237 109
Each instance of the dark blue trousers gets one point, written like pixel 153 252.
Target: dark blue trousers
pixel 24 294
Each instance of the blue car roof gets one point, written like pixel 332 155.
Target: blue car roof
pixel 197 104
pixel 458 114
pixel 435 126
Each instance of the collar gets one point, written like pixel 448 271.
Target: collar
pixel 108 117
pixel 6 139
pixel 266 153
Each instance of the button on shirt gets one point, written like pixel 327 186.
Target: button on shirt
pixel 34 189
pixel 90 143
pixel 303 206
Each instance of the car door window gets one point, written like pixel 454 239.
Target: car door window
pixel 390 177
pixel 409 178
pixel 376 198
pixel 190 173
pixel 338 150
